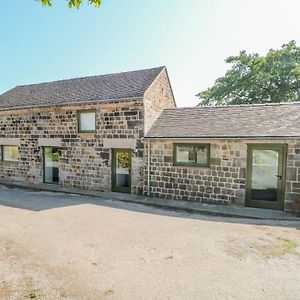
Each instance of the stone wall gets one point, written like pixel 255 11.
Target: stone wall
pixel 158 97
pixel 223 182
pixel 84 162
pixel 292 190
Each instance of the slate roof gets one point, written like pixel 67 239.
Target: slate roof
pixel 117 86
pixel 271 120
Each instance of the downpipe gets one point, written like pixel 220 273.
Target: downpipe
pixel 148 167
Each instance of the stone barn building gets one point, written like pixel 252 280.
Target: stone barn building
pixel 122 132
pixel 84 132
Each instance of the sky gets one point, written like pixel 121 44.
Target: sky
pixel 192 38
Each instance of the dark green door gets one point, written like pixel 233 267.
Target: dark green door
pixel 265 175
pixel 121 170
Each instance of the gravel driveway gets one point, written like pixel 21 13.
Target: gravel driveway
pixel 57 246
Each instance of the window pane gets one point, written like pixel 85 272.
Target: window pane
pixel 10 153
pixel 185 154
pixel 201 152
pixel 192 154
pixel 87 121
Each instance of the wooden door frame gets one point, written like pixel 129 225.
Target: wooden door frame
pixel 282 150
pixel 114 188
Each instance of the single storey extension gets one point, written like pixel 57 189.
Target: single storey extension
pixel 123 132
pixel 244 154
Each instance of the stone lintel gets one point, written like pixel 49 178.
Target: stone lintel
pixel 119 143
pixel 45 142
pixel 10 141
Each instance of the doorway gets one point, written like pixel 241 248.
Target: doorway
pixel 265 177
pixel 121 170
pixel 51 169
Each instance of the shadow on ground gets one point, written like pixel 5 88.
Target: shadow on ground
pixel 40 200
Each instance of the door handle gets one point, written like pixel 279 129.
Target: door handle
pixel 279 176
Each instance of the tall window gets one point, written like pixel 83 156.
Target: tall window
pixel 197 155
pixel 10 153
pixel 87 121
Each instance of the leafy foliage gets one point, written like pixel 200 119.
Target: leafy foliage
pixel 72 3
pixel 258 79
pixel 123 159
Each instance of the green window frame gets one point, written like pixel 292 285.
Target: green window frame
pixel 193 153
pixel 3 158
pixel 79 122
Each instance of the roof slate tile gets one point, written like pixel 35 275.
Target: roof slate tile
pixel 270 120
pixel 117 86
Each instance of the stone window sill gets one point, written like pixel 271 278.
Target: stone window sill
pixel 192 167
pixel 86 134
pixel 9 162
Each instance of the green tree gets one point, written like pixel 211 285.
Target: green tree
pixel 72 3
pixel 258 79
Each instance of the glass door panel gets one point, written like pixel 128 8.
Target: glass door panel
pixel 51 170
pixel 265 175
pixel 121 177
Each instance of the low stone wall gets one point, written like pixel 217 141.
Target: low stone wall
pixel 223 182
